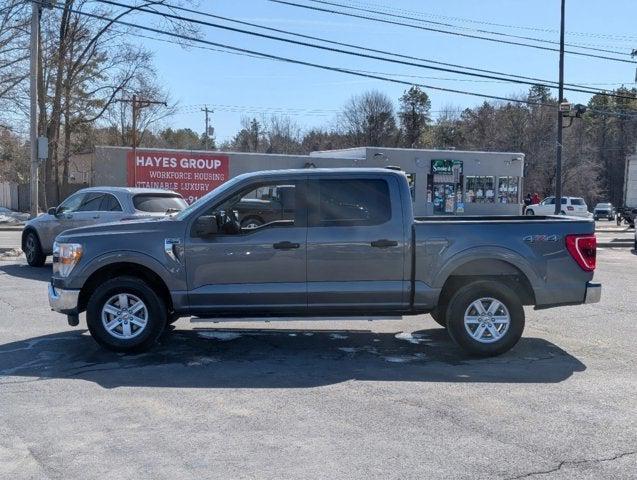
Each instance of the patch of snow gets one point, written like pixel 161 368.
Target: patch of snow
pixel 337 336
pixel 411 338
pixel 198 361
pixel 349 349
pixel 404 358
pixel 9 216
pixel 223 336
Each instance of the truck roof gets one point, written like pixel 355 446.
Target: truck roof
pixel 323 171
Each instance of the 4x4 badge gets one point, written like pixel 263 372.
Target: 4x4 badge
pixel 541 238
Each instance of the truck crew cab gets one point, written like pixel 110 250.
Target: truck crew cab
pixel 350 246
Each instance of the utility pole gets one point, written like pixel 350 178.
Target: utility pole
pixel 558 166
pixel 35 43
pixel 206 138
pixel 137 105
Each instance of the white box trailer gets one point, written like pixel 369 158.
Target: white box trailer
pixel 630 182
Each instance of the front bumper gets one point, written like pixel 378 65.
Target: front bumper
pixel 593 292
pixel 64 301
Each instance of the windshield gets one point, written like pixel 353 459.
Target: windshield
pixel 602 205
pixel 203 200
pixel 156 203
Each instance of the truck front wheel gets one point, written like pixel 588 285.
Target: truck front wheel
pixel 485 318
pixel 125 314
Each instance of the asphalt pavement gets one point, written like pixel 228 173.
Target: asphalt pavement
pixel 339 399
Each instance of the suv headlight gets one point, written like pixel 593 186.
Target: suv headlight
pixel 65 257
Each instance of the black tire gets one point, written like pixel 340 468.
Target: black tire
pixel 251 222
pixel 439 315
pixel 529 211
pixel 155 319
pixel 461 302
pixel 33 250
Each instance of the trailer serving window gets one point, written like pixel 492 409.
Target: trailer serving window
pixel 480 189
pixel 508 188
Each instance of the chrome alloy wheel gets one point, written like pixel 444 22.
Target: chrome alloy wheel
pixel 487 320
pixel 124 316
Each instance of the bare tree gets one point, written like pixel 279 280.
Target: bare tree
pixel 369 120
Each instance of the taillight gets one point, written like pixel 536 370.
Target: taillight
pixel 570 208
pixel 583 248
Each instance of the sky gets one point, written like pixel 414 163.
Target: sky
pixel 235 86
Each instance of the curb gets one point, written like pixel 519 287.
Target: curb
pixel 11 228
pixel 629 244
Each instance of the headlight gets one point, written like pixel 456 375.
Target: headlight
pixel 65 257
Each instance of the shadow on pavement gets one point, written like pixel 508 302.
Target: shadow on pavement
pixel 242 358
pixel 22 270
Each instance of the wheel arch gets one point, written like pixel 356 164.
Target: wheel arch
pixel 29 229
pixel 489 267
pixel 128 269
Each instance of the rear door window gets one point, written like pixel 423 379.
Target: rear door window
pixel 355 202
pixel 110 203
pixel 577 201
pixel 158 203
pixel 91 202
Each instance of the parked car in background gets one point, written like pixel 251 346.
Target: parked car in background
pixel 91 206
pixel 604 210
pixel 573 206
pixel 266 205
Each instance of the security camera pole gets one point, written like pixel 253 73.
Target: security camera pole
pixel 560 100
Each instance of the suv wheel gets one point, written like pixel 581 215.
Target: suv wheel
pixel 485 318
pixel 125 315
pixel 529 212
pixel 33 250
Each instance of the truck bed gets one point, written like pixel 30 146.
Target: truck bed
pixel 529 247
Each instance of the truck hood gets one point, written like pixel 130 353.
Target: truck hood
pixel 126 227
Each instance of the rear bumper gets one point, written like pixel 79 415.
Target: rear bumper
pixel 593 292
pixel 63 301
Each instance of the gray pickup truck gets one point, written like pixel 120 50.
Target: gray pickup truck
pixel 352 247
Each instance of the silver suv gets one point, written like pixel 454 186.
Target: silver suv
pixel 91 206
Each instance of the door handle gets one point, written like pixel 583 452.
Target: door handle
pixel 286 245
pixel 384 243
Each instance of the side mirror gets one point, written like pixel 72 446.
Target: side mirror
pixel 53 211
pixel 205 226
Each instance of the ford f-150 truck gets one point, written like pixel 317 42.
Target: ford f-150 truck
pixel 351 247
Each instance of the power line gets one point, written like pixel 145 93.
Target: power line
pixel 338 50
pixel 299 62
pixel 305 63
pixel 404 75
pixel 420 27
pixel 503 25
pixel 478 30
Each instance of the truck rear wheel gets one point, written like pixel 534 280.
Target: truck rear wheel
pixel 485 318
pixel 125 315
